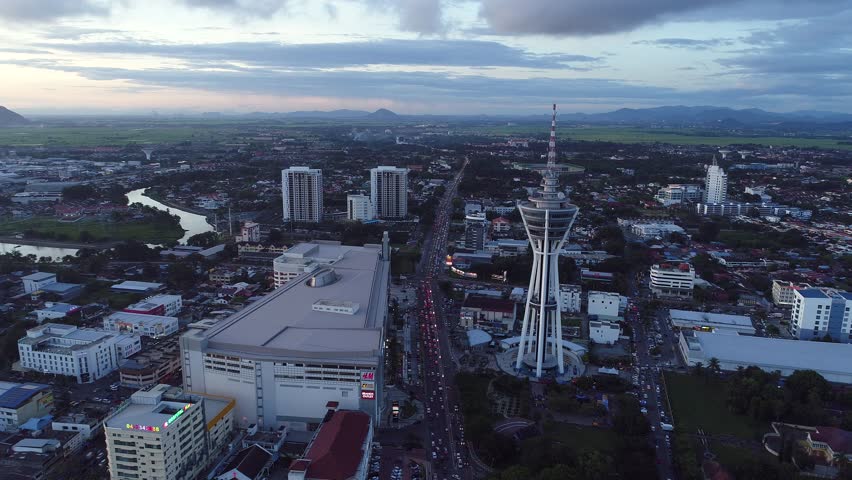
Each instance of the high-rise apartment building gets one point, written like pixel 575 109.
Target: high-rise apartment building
pixel 301 189
pixel 359 207
pixel 389 192
pixel 715 184
pixel 475 231
pixel 163 433
pixel 818 312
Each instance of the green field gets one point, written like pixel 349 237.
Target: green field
pixel 234 130
pixel 160 132
pixel 700 402
pixel 100 230
pixel 102 136
pixel 649 135
pixel 580 438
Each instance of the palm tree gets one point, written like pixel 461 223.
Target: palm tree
pixel 698 369
pixel 714 365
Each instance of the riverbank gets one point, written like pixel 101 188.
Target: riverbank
pixel 171 204
pixel 39 242
pixel 191 223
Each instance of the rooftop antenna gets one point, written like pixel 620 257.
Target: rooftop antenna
pixel 551 147
pixel 550 178
pixel 148 152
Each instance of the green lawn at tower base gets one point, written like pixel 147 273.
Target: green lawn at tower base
pixel 701 402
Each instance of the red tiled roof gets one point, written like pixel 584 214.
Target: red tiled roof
pixel 838 439
pixel 250 461
pixel 337 451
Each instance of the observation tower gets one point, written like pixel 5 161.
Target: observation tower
pixel 547 216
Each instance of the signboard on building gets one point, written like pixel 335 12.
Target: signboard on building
pixel 368 394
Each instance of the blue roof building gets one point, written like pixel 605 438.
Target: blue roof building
pixel 20 402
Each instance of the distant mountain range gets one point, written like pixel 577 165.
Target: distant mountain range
pixel 9 118
pixel 669 115
pixel 380 114
pixel 707 115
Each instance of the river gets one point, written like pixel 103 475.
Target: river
pixel 191 222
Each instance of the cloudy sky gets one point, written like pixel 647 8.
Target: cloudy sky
pixel 423 56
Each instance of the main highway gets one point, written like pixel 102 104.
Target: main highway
pixel 446 442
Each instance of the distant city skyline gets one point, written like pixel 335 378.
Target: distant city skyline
pixel 422 56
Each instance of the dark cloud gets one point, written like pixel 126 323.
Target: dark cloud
pixel 454 53
pixel 593 17
pixel 689 43
pixel 260 8
pixel 496 94
pixel 32 11
pixel 817 48
pixel 421 16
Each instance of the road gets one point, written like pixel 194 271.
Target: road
pixel 647 374
pixel 444 422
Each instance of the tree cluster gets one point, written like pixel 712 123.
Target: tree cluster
pixel 801 398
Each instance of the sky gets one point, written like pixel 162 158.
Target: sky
pixel 422 56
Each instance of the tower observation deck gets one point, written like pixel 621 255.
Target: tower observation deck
pixel 548 217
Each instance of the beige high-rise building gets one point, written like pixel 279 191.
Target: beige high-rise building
pixel 163 433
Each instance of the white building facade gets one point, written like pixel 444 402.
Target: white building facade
pixel 604 332
pixel 676 194
pixel 668 280
pixel 821 312
pixel 389 192
pixel 571 301
pixel 301 189
pixel 716 184
pixel 162 304
pixel 784 293
pixel 316 339
pixel 250 233
pixel 34 282
pixel 359 208
pixel 82 353
pixel 154 326
pixel 603 304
